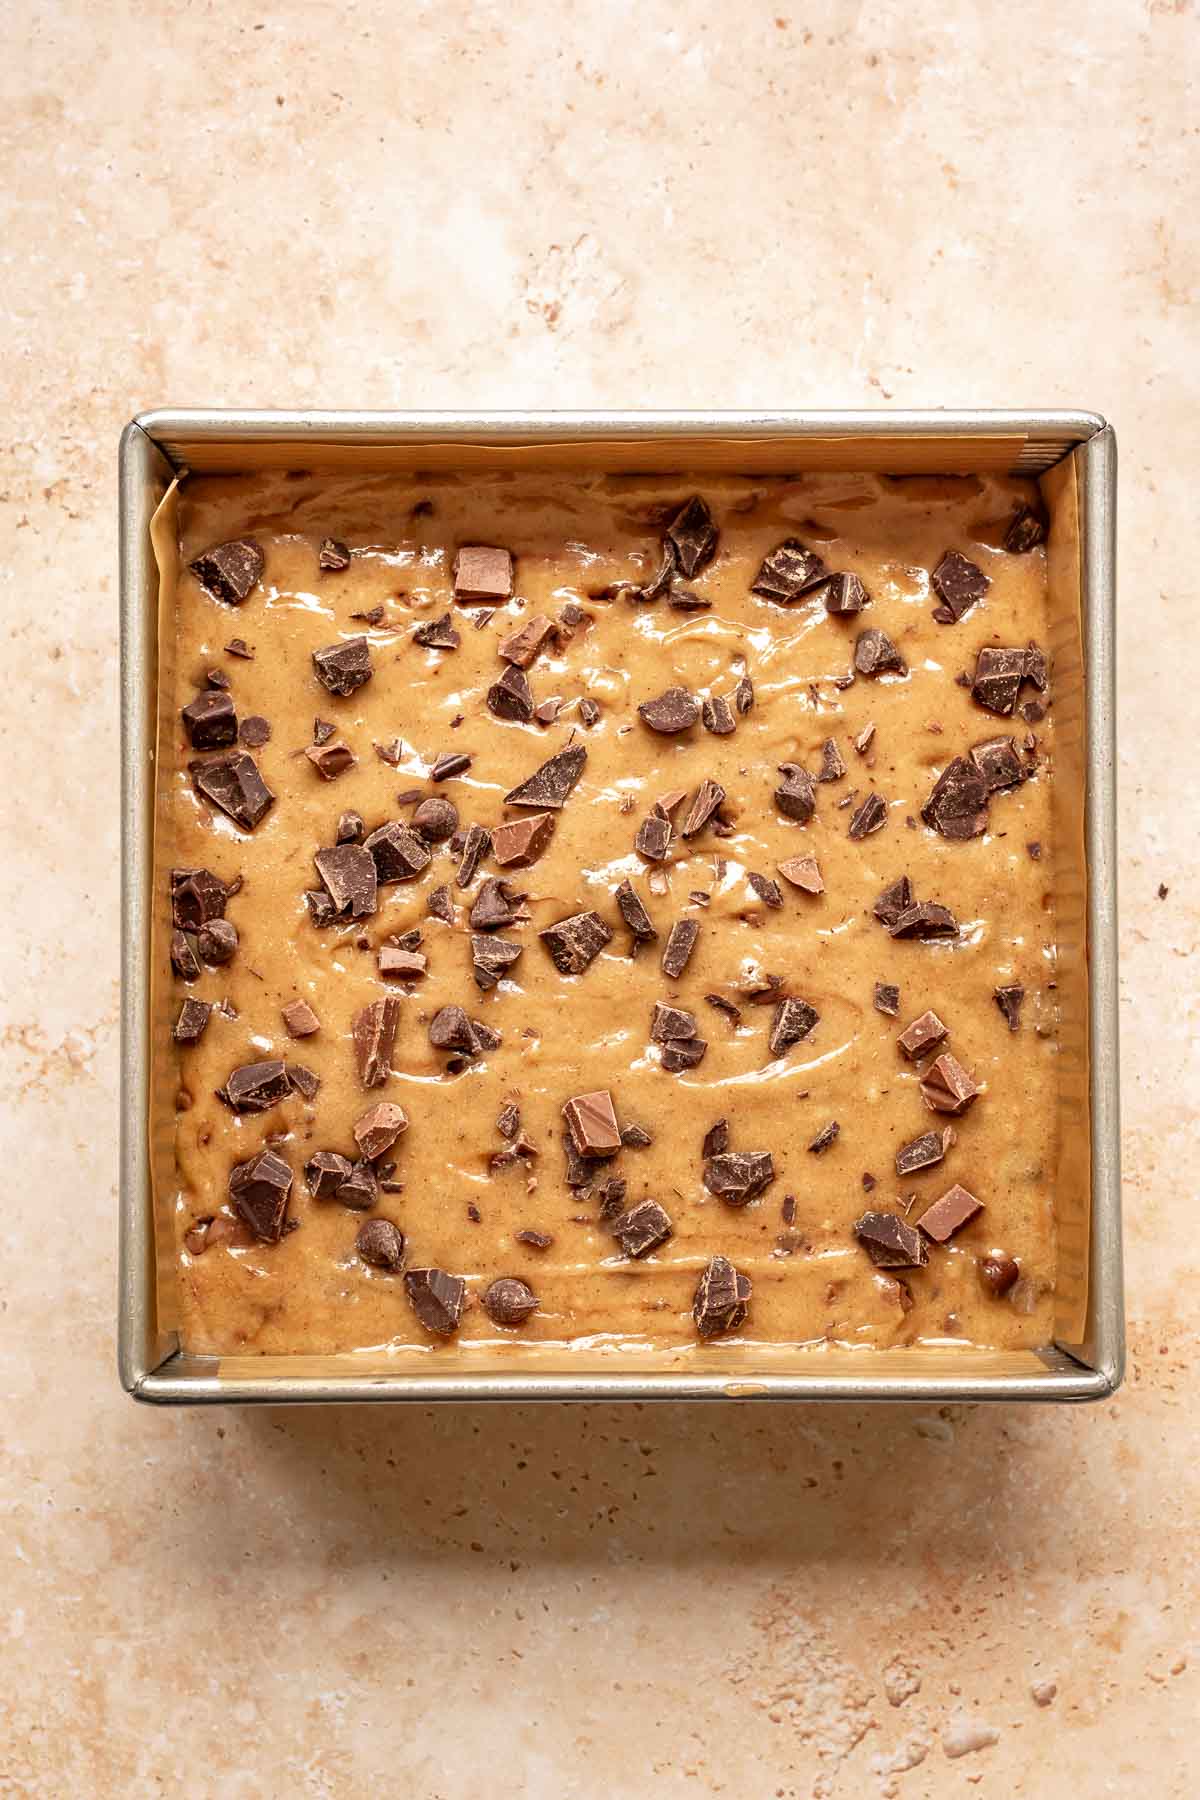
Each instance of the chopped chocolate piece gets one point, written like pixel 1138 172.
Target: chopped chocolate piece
pixel 331 760
pixel 378 1128
pixel 1009 1000
pixel 685 599
pixel 344 667
pixel 491 959
pixel 946 1086
pixel 717 716
pixel 1035 666
pixel 920 1153
pixel 300 1021
pixel 476 845
pixel 796 795
pixel 349 874
pixel 575 943
pixel 998 678
pixel 192 1021
pixel 634 913
pixel 683 1053
pixel 890 1242
pixel 551 784
pixel 396 964
pixel 672 711
pixel 654 837
pixel 722 1005
pixel 537 1240
pixel 438 634
pixel 768 891
pixel 522 646
pixel 256 1086
pixel 254 731
pixel 259 1190
pixel 374 1032
pixel 217 942
pixel 957 808
pixel 449 764
pixel 374 615
pixel 870 816
pixel 210 720
pixel 642 1229
pixel 832 766
pixel 360 1189
pixel 844 594
pixel 381 1244
pixel 667 1022
pixel 736 1176
pixel 1033 712
pixel 571 618
pixel 451 1029
pixel 508 1120
pixel 239 647
pixel 323 730
pixel 802 872
pixel 887 998
pixel 721 1299
pixel 635 1137
pixel 1026 530
pixel 955 1209
pixel 709 796
pixel 350 828
pixel 743 696
pixel 875 654
pixel 998 1273
pixel 958 584
pixel 436 1298
pixel 509 1301
pixel 997 763
pixel 397 853
pixel 864 740
pixel 304 1081
pixel 511 697
pixel 497 904
pixel 333 556
pixel 716 1139
pixel 234 784
pixel 321 908
pixel 925 920
pixel 922 1036
pixel 439 905
pixel 229 571
pixel 824 1138
pixel 788 1209
pixel 197 895
pixel 589 712
pixel 483 572
pixel 435 820
pixel 693 536
pixel 520 842
pixel 592 1122
pixel 680 943
pixel 792 1021
pixel 787 571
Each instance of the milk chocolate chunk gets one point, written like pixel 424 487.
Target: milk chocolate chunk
pixel 333 556
pixel 381 1243
pixel 998 764
pixel 642 1229
pixel 331 760
pixel 491 959
pixel 549 787
pixel 802 872
pixel 497 904
pixel 634 913
pixel 926 919
pixel 509 1301
pixel 377 1129
pixel 522 646
pixel 920 1153
pixel 680 943
pixel 229 571
pixel 653 840
pixel 737 1176
pixel 894 901
pixel 449 764
pixel 668 1022
pixel 349 874
pixel 721 1299
pixel 670 712
pixel 716 715
pixel 796 795
pixel 870 816
pixel 958 584
pixel 259 1190
pixel 890 1242
pixel 1010 1000
pixel 832 766
pixel 192 1021
pixel 875 654
pixel 949 1214
pixel 344 667
pixel 396 964
pixel 436 1298
pixel 299 1019
pixel 957 808
pixel 197 895
pixel 946 1086
pixel 256 1086
pixel 325 1172
pixel 397 853
pixel 217 942
pixel 922 1036
pixel 844 594
pixel 210 720
pixel 792 1021
pixel 998 677
pixel 710 795
pixel 887 998
pixel 476 845
pixel 693 536
pixel 1026 530
pixel 592 1122
pixel 483 572
pixel 440 905
pixel 521 841
pixel 998 1273
pixel 683 1053
pixel 374 1032
pixel 234 784
pixel 787 571
pixel 825 1137
pixel 575 943
pixel 511 697
pixel 438 634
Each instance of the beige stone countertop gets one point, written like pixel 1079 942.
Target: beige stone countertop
pixel 591 203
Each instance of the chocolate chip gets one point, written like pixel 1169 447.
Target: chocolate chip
pixel 397 964
pixel 511 697
pixel 670 712
pixel 887 998
pixel 722 1005
pixel 890 1242
pixel 894 901
pixel 299 1019
pixel 254 731
pixel 255 1087
pixel 592 1122
pixel 377 1129
pixel 668 1022
pixel 787 571
pixel 634 913
pixel 575 943
pixel 998 1273
pixel 374 1033
pixel 998 677
pixel 722 1298
pixel 875 654
pixel 869 817
pixel 737 1176
pixel 824 1138
pixel 710 795
pixel 381 1244
pixel 680 943
pixel 436 1298
pixel 435 820
pixel 653 840
pixel 796 795
pixel 957 808
pixel 197 895
pixel 844 594
pixel 550 786
pixel 1009 1000
pixel 234 784
pixel 693 536
pixel 958 584
pixel 349 874
pixel 717 716
pixel 509 1301
pixel 483 572
pixel 949 1214
pixel 642 1229
pixel 259 1190
pixel 326 1172
pixel 767 890
pixel 217 942
pixel 192 1021
pixel 1026 530
pixel 330 760
pixel 344 667
pixel 229 571
pixel 438 634
pixel 239 647
pixel 397 853
pixel 476 845
pixel 802 872
pixel 922 1036
pixel 210 720
pixel 921 1153
pixel 792 1021
pixel 946 1086
pixel 925 920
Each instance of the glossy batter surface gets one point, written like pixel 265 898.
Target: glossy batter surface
pixel 567 1035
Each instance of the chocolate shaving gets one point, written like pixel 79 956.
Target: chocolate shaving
pixel 229 571
pixel 890 1242
pixel 550 785
pixel 824 1138
pixel 787 571
pixel 345 667
pixel 957 808
pixel 537 1240
pixel 887 999
pixel 259 1190
pixel 680 943
pixel 722 1005
pixel 374 1033
pixel 234 784
pixel 1009 1000
pixel 792 1021
pixel 737 1176
pixel 672 711
pixel 721 1299
pixel 642 1229
pixel 575 943
pixel 768 891
pixel 693 536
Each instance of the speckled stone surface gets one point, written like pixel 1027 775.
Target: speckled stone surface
pixel 599 203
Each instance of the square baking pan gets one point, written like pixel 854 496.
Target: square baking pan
pixel 1073 457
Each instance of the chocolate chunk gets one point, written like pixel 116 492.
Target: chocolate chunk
pixel 642 1229
pixel 668 1022
pixel 197 895
pixel 887 998
pixel 890 1242
pixel 1009 1000
pixel 344 667
pixel 998 677
pixel 955 1209
pixel 592 1122
pixel 717 716
pixel 304 1081
pixel 946 1086
pixel 259 1191
pixel 451 1029
pixel 254 731
pixel 483 572
pixel 921 1153
pixel 680 943
pixel 796 795
pixel 832 767
pixel 377 1129
pixel 239 647
pixel 685 599
pixel 737 1176
pixel 234 784
pixel 998 1273
pixel 716 1139
pixel 1035 666
pixel 497 904
pixel 672 711
pixel 958 584
pixel 998 764
pixel 870 816
pixel 300 1021
pixel 438 634
pixel 381 1244
pixel 491 959
pixel 683 1053
pixel 192 1021
pixel 589 712
pixel 349 874
pixel 374 615
pixel 537 1240
pixel 893 901
pixel 864 740
pixel 693 536
pixel 210 720
pixel 575 943
pixel 635 1137
pixel 449 764
pixel 323 730
pixel 440 905
pixel 768 891
pixel 1026 530
pixel 333 556
pixel 802 872
pixel 331 760
pixel 360 1190
pixel 511 697
pixel 1034 851
pixel 321 909
pixel 436 1298
pixel 957 808
pixel 743 696
pixel 396 964
pixel 520 842
pixel 229 571
pixel 508 1120
pixel 792 1021
pixel 922 1036
pixel 397 853
pixel 787 571
pixel 710 795
pixel 654 836
pixel 476 845
pixel 732 1013
pixel 374 1033
pixel 634 913
pixel 844 594
pixel 217 942
pixel 509 1301
pixel 824 1138
pixel 435 820
pixel 256 1086
pixel 721 1299
pixel 925 920
pixel 550 785
pixel 522 646
pixel 875 654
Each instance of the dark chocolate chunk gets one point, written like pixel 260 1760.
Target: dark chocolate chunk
pixel 449 764
pixel 683 1053
pixel 832 767
pixel 234 784
pixel 229 571
pixel 998 764
pixel 844 594
pixel 436 1298
pixel 693 536
pixel 998 677
pixel 870 816
pixel 483 572
pixel 768 891
pixel 920 1153
pixel 451 1029
pixel 1035 666
pixel 1026 530
pixel 672 711
pixel 333 556
pixel 217 942
pixel 642 1229
pixel 634 913
pixel 440 905
pixel 550 786
pixel 955 1208
pixel 792 1021
pixel 511 697
pixel 922 1036
pixel 509 1301
pixel 824 1138
pixel 1009 1000
pixel 299 1019
pixel 350 828
pixel 378 1128
pixel 210 720
pixel 721 1299
pixel 787 571
pixel 323 730
pixel 589 712
pixel 957 808
pixel 349 874
pixel 654 835
pixel 732 1013
pixel 737 1176
pixel 192 1021
pixel 743 696
pixel 635 1137
pixel 374 615
pixel 397 853
pixel 716 1139
pixel 254 731
pixel 680 943
pixel 508 1120
pixel 946 1086
pixel 381 1244
pixel 958 584
pixel 890 1242
pixel 796 795
pixel 374 1033
pixel 710 795
pixel 887 998
pixel 256 1086
pixel 321 909
pixel 344 667
pixel 330 760
pixel 575 943
pixel 998 1273
pixel 476 845
pixel 926 919
pixel 592 1122
pixel 304 1081
pixel 360 1190
pixel 717 716
pixel 491 959
pixel 239 647
pixel 537 1240
pixel 497 904
pixel 875 654
pixel 197 895
pixel 668 1022
pixel 439 634
pixel 259 1190
pixel 893 901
